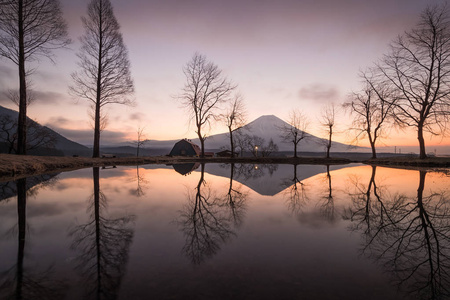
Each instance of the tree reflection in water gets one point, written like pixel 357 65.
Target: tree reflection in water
pixel 408 236
pixel 20 282
pixel 142 183
pixel 205 222
pixel 248 171
pixel 296 193
pixel 235 200
pixel 327 208
pixel 103 245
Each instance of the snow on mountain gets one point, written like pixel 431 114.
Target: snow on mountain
pixel 269 127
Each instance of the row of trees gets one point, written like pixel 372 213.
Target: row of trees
pixel 408 88
pixel 31 29
pixel 208 91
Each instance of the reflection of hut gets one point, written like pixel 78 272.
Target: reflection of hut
pixel 226 153
pixel 185 169
pixel 185 148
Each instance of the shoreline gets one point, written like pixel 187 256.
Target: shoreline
pixel 13 167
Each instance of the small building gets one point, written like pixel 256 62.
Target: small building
pixel 209 154
pixel 185 148
pixel 226 153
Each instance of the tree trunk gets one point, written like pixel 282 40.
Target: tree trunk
pixel 231 141
pixel 295 150
pixel 329 142
pixel 96 152
pixel 202 143
pixel 422 152
pixel 22 121
pixel 374 152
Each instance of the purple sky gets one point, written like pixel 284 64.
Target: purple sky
pixel 282 54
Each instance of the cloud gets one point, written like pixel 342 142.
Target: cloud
pixel 48 97
pixel 40 97
pixel 319 92
pixel 86 136
pixel 137 116
pixel 58 122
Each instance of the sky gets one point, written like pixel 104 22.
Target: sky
pixel 282 55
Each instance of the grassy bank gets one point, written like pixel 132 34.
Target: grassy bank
pixel 15 166
pixel 430 162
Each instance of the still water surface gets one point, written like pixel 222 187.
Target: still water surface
pixel 227 232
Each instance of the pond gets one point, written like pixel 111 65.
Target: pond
pixel 221 231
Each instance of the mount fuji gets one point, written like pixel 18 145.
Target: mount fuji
pixel 267 127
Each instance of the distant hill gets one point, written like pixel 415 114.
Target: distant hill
pixel 63 146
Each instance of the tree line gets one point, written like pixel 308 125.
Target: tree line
pixel 32 29
pixel 408 88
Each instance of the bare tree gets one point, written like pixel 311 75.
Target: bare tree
pixel 38 136
pixel 295 129
pixel 417 69
pixel 267 150
pixel 8 132
pixel 370 113
pixel 254 143
pixel 235 118
pixel 29 29
pixel 205 89
pixel 104 77
pixel 141 140
pixel 327 121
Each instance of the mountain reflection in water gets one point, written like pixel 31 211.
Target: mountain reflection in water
pixel 225 231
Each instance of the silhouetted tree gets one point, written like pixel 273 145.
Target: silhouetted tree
pixel 105 76
pixel 38 136
pixel 29 29
pixel 295 130
pixel 328 121
pixel 103 244
pixel 417 70
pixel 241 142
pixel 205 89
pixel 141 140
pixel 270 148
pixel 370 113
pixel 235 118
pixel 256 144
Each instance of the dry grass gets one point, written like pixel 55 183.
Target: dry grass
pixel 442 162
pixel 16 166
